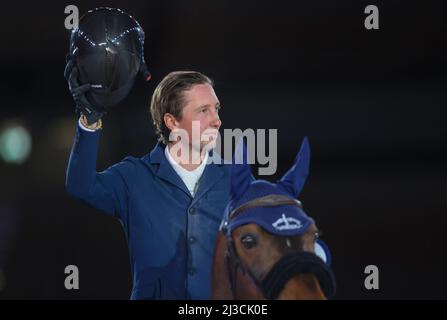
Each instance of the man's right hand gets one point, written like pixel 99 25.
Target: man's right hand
pixel 83 106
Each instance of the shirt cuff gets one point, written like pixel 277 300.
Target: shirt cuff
pixel 84 128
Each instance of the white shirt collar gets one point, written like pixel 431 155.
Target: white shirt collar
pixel 190 178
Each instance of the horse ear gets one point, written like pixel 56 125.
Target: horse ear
pixel 241 176
pixel 294 179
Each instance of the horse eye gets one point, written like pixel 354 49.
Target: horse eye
pixel 249 241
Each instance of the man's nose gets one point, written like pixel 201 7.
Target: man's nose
pixel 215 122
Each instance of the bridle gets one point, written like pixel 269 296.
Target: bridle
pixel 272 200
pixel 286 267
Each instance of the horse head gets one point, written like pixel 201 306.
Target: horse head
pixel 267 246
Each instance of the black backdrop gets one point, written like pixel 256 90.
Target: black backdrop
pixel 371 102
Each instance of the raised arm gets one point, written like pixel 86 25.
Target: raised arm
pixel 107 190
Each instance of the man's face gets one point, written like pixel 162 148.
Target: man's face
pixel 200 116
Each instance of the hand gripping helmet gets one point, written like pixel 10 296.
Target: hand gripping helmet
pixel 108 50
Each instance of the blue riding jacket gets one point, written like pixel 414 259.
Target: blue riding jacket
pixel 171 235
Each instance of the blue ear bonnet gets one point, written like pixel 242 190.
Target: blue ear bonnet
pixel 284 220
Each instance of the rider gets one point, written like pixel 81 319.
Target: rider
pixel 170 209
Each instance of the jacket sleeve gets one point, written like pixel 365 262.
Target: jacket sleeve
pixel 107 190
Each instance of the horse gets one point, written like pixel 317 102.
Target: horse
pixel 267 247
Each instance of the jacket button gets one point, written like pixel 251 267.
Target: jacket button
pixel 192 240
pixel 192 210
pixel 192 271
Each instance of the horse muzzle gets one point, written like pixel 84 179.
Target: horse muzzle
pixel 293 264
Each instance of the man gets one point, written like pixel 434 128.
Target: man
pixel 170 202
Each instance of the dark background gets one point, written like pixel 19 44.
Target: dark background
pixel 371 102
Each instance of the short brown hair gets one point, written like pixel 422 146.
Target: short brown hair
pixel 168 98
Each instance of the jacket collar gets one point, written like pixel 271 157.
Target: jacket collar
pixel 157 154
pixel 211 175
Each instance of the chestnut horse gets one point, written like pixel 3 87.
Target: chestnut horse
pixel 267 246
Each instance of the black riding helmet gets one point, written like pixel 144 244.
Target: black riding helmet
pixel 108 50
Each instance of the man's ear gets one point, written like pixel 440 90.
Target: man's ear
pixel 170 121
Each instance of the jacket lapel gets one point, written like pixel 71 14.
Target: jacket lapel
pixel 211 175
pixel 165 170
